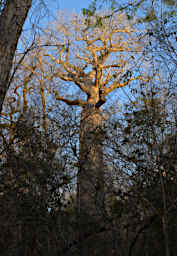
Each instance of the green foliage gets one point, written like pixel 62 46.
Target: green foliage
pixel 90 11
pixel 136 9
pixel 169 2
pixel 136 147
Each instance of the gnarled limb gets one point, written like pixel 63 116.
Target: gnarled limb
pixel 70 102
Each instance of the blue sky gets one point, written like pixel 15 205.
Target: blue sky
pixel 40 16
pixel 54 6
pixel 69 5
pixel 37 10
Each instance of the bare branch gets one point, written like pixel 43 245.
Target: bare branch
pixel 70 75
pixel 116 84
pixel 70 102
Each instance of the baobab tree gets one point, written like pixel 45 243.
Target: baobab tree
pixel 97 58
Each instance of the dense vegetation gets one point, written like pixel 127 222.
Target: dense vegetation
pixel 88 137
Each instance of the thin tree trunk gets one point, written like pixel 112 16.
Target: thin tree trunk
pixel 12 20
pixel 165 215
pixel 91 173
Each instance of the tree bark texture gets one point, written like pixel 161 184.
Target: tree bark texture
pixel 12 20
pixel 91 174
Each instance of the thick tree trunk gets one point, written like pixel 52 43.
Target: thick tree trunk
pixel 12 19
pixel 91 173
